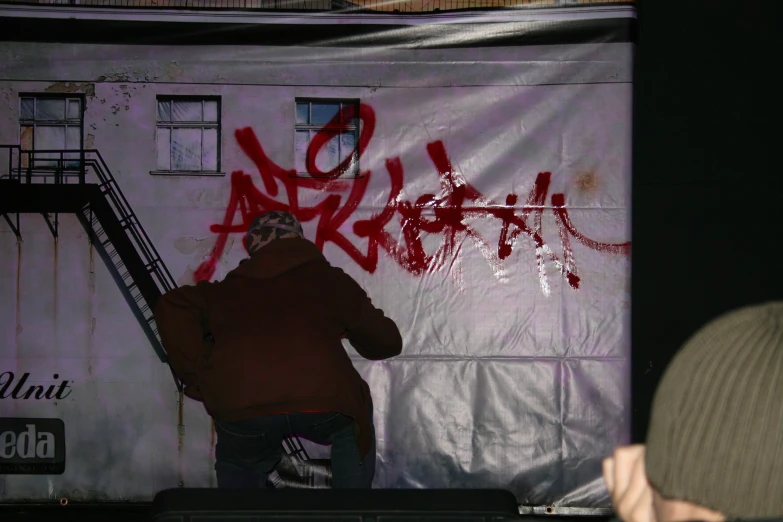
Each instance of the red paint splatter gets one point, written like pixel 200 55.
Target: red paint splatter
pixel 447 214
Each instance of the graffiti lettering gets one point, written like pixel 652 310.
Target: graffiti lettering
pixel 446 215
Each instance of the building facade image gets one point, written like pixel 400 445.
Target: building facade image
pixel 136 145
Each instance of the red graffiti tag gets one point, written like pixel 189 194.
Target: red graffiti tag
pixel 446 215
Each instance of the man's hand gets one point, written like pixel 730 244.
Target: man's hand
pixel 629 489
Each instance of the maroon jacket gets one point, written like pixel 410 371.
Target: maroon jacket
pixel 277 322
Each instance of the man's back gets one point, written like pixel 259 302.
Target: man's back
pixel 263 351
pixel 276 324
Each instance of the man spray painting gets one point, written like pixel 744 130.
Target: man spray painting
pixel 262 349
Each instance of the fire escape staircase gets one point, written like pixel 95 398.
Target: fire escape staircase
pixel 53 182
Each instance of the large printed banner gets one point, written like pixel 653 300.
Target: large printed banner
pixel 479 192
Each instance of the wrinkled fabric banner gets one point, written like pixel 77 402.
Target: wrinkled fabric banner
pixel 478 187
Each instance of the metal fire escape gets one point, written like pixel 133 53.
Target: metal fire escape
pixel 53 182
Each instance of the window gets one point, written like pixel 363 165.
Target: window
pixel 339 121
pixel 50 123
pixel 188 134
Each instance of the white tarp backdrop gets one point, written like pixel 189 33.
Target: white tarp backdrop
pixel 490 221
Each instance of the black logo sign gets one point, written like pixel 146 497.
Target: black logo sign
pixel 32 446
pixel 20 391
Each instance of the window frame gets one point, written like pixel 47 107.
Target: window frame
pixel 356 102
pixel 170 125
pixel 69 162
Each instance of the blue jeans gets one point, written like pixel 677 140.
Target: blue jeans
pixel 247 451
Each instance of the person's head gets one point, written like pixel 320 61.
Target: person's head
pixel 270 226
pixel 715 444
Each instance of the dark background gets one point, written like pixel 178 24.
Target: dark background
pixel 707 188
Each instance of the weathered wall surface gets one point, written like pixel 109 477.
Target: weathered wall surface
pixel 514 315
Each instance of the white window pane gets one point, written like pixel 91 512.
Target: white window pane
pixel 48 137
pixel 209 160
pixel 347 145
pixel 328 157
pixel 74 110
pixel 164 148
pixel 50 109
pixel 27 109
pixel 301 141
pixel 73 138
pixel 186 149
pixel 26 142
pixel 324 112
pixel 211 110
pixel 303 113
pixel 186 111
pixel 164 111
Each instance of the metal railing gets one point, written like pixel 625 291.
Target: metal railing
pixel 388 6
pixel 60 167
pixel 41 166
pixel 130 222
pixel 82 166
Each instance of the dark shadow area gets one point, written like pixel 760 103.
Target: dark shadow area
pixel 360 35
pixel 707 191
pixel 54 512
pixel 142 513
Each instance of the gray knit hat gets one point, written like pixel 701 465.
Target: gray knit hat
pixel 716 428
pixel 270 226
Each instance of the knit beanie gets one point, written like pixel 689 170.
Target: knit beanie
pixel 270 226
pixel 716 427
